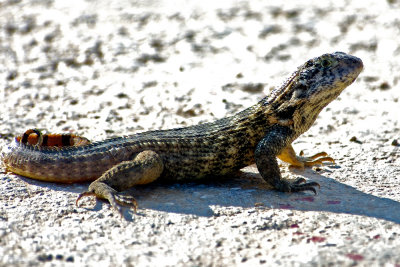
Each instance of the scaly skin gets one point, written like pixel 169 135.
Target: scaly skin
pixel 258 135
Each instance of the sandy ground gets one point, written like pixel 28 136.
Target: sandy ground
pixel 108 68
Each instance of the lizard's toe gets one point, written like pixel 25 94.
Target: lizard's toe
pixel 317 159
pixel 126 200
pixel 301 185
pixel 84 194
pixel 297 186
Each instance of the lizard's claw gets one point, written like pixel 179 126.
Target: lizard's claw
pixel 297 186
pixel 117 200
pixel 317 159
pixel 301 185
pixel 84 194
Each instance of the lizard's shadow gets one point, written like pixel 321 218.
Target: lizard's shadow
pixel 246 190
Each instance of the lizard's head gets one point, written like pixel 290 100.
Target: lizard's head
pixel 313 86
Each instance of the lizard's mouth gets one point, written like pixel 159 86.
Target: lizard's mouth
pixel 353 64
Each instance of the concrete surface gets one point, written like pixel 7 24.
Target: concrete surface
pixel 107 68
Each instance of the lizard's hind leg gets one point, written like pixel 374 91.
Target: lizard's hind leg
pixel 145 168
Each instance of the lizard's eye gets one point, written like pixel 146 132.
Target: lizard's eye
pixel 325 63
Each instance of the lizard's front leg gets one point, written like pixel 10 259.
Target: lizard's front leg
pixel 266 152
pixel 145 168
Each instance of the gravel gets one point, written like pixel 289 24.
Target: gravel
pixel 108 68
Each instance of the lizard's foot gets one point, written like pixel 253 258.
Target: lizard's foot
pixel 317 159
pixel 115 198
pixel 297 186
pixel 288 155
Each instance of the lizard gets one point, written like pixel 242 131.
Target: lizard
pixel 259 134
